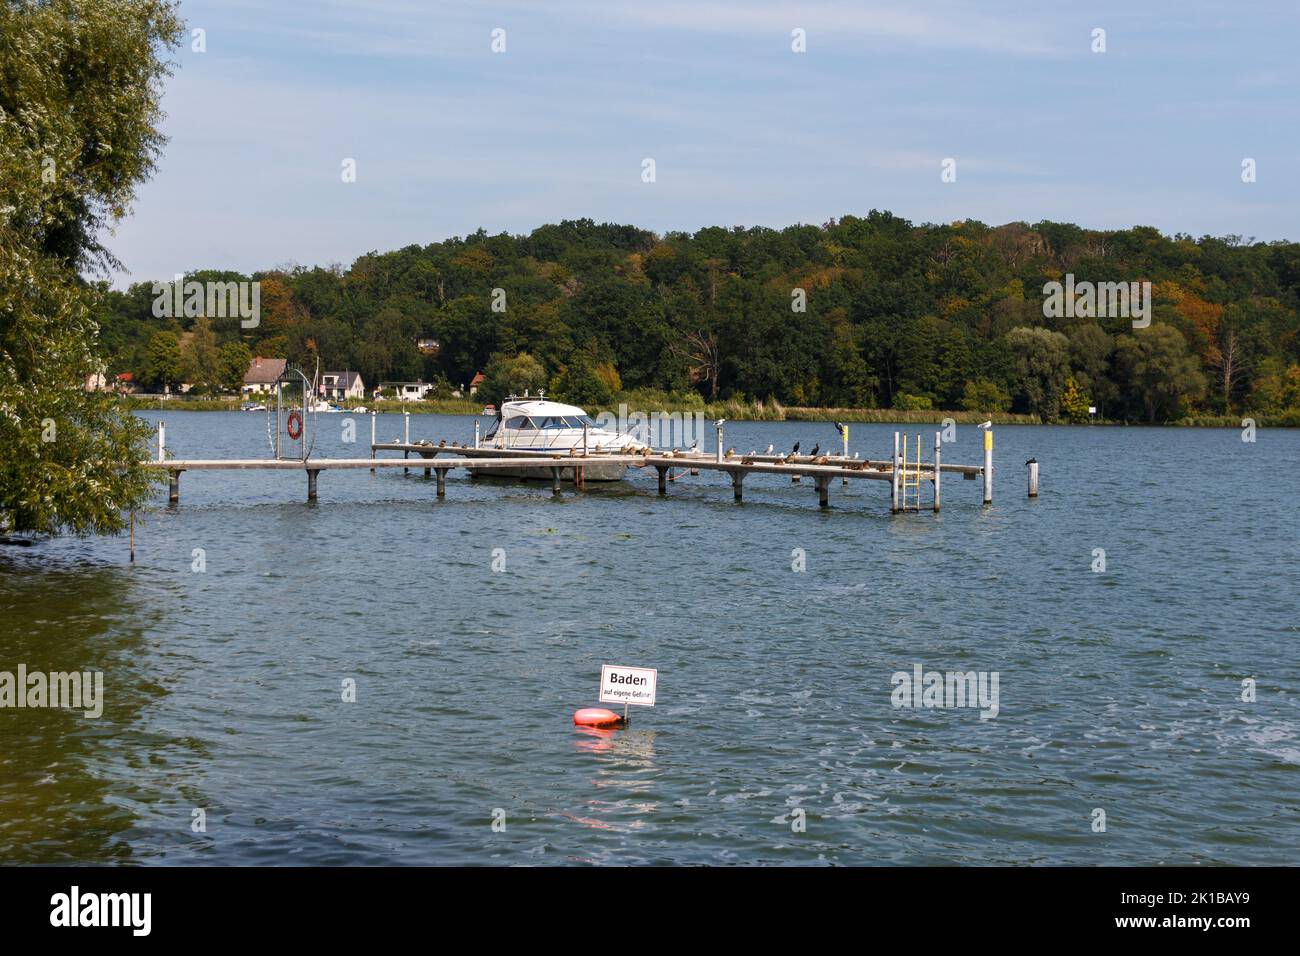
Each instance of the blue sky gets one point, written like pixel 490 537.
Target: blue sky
pixel 449 136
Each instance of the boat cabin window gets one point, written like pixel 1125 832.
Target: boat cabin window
pixel 554 421
pixel 520 423
pixel 577 421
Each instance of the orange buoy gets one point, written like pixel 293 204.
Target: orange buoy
pixel 596 717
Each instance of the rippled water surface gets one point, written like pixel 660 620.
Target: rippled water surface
pixel 1119 690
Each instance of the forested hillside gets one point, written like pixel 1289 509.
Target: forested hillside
pixel 896 315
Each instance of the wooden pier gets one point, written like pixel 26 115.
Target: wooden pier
pixel 905 478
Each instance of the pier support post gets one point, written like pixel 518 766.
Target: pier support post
pixel 823 491
pixel 476 430
pixel 427 469
pixel 737 485
pixel 372 436
pixel 406 454
pixel 718 427
pixel 1033 477
pixel 663 478
pixel 938 458
pixel 406 433
pixel 893 484
pixel 844 434
pixel 442 482
pixel 988 466
pixel 311 483
pixel 555 480
pixel 174 487
pixel 162 439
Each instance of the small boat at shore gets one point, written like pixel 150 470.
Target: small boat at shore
pixel 526 426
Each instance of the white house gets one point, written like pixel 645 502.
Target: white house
pixel 262 374
pixel 337 386
pixel 408 391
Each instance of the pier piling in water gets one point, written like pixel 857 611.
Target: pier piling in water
pixel 442 482
pixel 174 486
pixel 938 468
pixel 737 485
pixel 311 483
pixel 1033 477
pixel 988 465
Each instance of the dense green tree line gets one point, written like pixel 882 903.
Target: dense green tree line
pixel 869 311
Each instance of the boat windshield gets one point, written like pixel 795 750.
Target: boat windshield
pixel 520 423
pixel 580 420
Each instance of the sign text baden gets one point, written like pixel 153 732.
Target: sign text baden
pixel 627 685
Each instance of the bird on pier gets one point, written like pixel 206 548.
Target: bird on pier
pixel 840 426
pixel 730 451
pixel 1032 461
pixel 770 448
pixel 816 448
pixel 987 424
pixel 795 450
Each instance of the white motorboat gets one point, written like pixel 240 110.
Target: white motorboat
pixel 526 426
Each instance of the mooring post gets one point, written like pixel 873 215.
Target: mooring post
pixel 663 478
pixel 162 439
pixel 824 491
pixel 737 481
pixel 844 434
pixel 476 429
pixel 718 428
pixel 406 422
pixel 311 483
pixel 406 454
pixel 442 481
pixel 1033 477
pixel 427 469
pixel 938 456
pixel 988 465
pixel 174 486
pixel 584 442
pixel 893 494
pixel 555 480
pixel 372 436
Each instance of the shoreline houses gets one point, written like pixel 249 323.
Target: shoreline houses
pixel 262 374
pixel 339 386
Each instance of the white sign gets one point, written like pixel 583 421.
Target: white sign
pixel 627 685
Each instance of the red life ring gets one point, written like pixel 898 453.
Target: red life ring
pixel 294 426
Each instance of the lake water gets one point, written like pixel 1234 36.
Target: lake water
pixel 775 739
